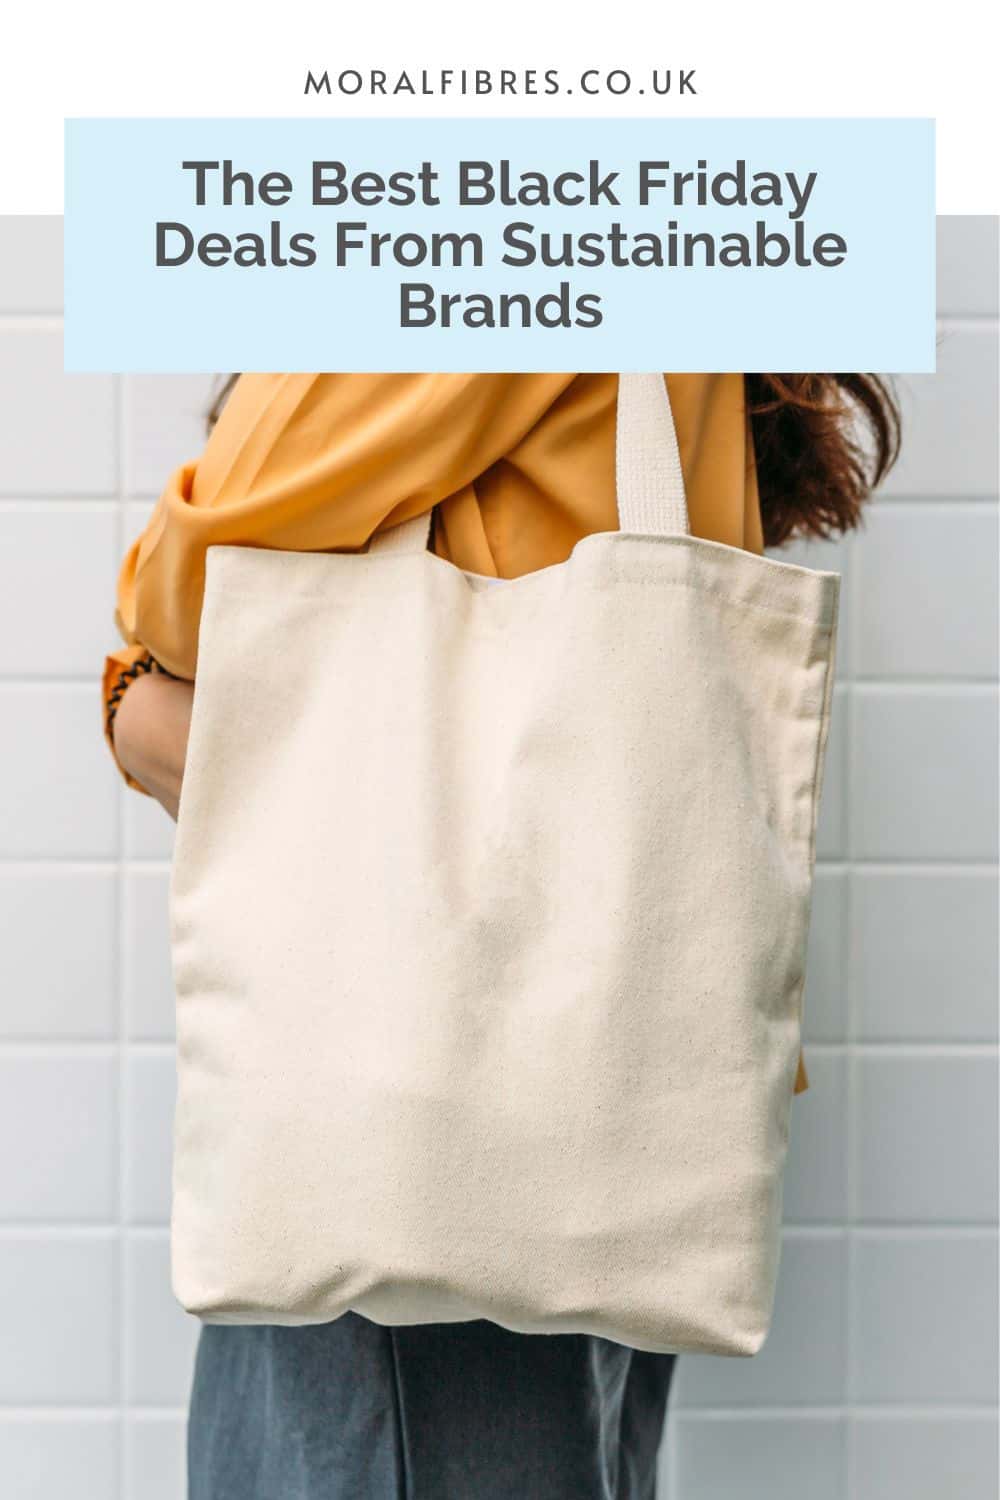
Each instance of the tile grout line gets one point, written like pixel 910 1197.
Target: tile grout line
pixel 875 1411
pixel 848 1451
pixel 96 864
pixel 967 322
pixel 911 681
pixel 924 1048
pixel 32 322
pixel 794 1229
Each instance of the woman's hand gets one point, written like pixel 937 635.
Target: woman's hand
pixel 151 735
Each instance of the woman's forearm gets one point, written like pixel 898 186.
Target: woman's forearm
pixel 151 733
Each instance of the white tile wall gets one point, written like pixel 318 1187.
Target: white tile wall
pixel 150 1086
pixel 58 795
pixel 59 1298
pixel 816 1180
pixel 58 1146
pixel 153 447
pixel 777 1456
pixel 60 431
pixel 922 600
pixel 967 267
pixel 945 807
pixel 879 1379
pixel 826 966
pixel 154 1456
pixel 56 1455
pixel 929 1156
pixel 59 551
pixel 951 442
pixel 31 266
pixel 159 1340
pixel 925 1457
pixel 58 989
pixel 148 984
pixel 923 1329
pixel 923 954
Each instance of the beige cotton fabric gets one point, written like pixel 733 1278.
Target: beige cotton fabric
pixel 489 916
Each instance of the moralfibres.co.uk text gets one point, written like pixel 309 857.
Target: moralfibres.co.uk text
pixel 496 83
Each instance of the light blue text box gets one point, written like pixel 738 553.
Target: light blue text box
pixel 875 188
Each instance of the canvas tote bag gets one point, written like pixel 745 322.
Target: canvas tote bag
pixel 489 913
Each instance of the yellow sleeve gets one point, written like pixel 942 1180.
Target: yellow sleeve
pixel 315 463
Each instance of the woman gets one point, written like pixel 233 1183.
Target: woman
pixel 518 467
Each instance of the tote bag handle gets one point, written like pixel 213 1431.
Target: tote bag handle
pixel 649 482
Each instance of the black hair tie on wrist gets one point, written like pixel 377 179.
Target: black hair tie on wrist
pixel 128 675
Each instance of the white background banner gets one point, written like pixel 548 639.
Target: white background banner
pixel 113 57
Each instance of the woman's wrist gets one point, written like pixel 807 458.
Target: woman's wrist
pixel 150 731
pixel 122 682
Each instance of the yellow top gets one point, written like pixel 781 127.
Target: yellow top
pixel 520 467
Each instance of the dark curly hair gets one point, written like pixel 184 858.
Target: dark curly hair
pixel 822 442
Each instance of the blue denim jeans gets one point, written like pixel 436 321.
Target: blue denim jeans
pixel 459 1411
